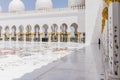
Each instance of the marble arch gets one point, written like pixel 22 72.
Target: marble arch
pixel 6 33
pixel 0 31
pixel 13 30
pixel 45 29
pixel 36 32
pixel 21 29
pixel 54 35
pixel 21 33
pixel 64 28
pixel 45 35
pixel 75 26
pixel 54 28
pixel 74 35
pixel 64 34
pixel 28 33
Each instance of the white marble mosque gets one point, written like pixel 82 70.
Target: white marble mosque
pixel 44 24
pixel 60 43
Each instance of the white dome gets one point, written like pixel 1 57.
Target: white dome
pixel 43 4
pixel 16 6
pixel 0 9
pixel 74 2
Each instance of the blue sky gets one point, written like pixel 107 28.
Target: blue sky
pixel 30 4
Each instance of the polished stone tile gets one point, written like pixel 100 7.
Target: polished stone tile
pixel 85 64
pixel 63 75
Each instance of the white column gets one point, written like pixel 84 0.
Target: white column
pixel 3 35
pixel 68 38
pixel 78 37
pixel 41 35
pixel 49 33
pixel 114 41
pixel 24 36
pixel 49 36
pixel 32 36
pixel 10 35
pixel 59 37
pixel 68 32
pixel 17 34
pixel 58 33
pixel 17 37
pixel 81 37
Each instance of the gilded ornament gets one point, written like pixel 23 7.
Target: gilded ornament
pixel 50 33
pixel 68 33
pixel 79 33
pixel 59 33
pixel 40 33
pixel 108 2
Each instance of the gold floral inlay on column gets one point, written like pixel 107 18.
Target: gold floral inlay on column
pixel 105 12
pixel 108 2
pixel 104 17
pixel 40 33
pixel 50 33
pixel 17 34
pixel 59 33
pixel 3 34
pixel 24 34
pixel 32 34
pixel 79 33
pixel 9 34
pixel 68 33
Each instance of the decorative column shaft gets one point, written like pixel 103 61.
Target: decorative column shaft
pixel 40 36
pixel 3 36
pixel 79 37
pixel 24 37
pixel 10 37
pixel 49 36
pixel 68 34
pixel 32 37
pixel 59 36
pixel 17 34
pixel 114 40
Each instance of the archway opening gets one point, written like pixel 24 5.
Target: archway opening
pixel 74 33
pixel 0 33
pixel 6 33
pixel 21 34
pixel 28 34
pixel 13 38
pixel 37 33
pixel 45 33
pixel 54 36
pixel 63 36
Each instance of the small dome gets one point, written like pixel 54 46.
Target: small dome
pixel 78 2
pixel 43 4
pixel 16 6
pixel 0 9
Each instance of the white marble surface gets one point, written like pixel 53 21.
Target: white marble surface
pixel 30 56
pixel 84 64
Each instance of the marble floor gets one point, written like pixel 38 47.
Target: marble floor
pixel 19 58
pixel 85 64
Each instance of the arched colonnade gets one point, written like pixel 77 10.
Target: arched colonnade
pixel 44 33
